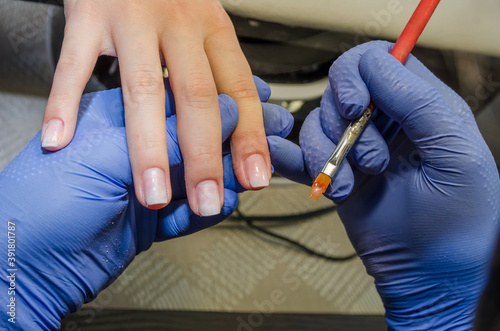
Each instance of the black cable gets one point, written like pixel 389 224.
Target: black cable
pixel 250 222
pixel 285 218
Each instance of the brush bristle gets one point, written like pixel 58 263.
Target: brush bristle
pixel 319 186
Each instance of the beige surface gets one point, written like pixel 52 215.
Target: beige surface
pixel 468 25
pixel 232 268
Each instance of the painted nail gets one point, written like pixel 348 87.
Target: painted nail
pixel 155 190
pixel 207 194
pixel 53 133
pixel 256 169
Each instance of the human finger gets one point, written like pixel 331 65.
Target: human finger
pixel 198 120
pixel 78 56
pixel 233 77
pixel 229 120
pixel 144 100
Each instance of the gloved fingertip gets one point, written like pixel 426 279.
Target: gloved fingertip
pixel 339 193
pixel 342 184
pixel 230 202
pixel 350 92
pixel 351 100
pixel 277 120
pixel 380 70
pixel 380 166
pixel 352 107
pixel 230 180
pixel 173 220
pixel 370 153
pixel 262 88
pixel 287 124
pixel 287 160
pixel 374 56
pixel 177 219
pixel 227 103
pixel 375 165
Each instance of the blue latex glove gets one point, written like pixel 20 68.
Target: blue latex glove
pixel 419 197
pixel 75 217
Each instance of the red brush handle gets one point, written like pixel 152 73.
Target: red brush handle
pixel 413 29
pixel 411 32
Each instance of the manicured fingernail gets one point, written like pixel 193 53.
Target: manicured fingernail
pixel 207 194
pixel 52 134
pixel 155 190
pixel 256 169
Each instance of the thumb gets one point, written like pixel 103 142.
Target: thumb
pixel 438 133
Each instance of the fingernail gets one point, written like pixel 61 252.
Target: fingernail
pixel 155 190
pixel 207 194
pixel 53 133
pixel 256 169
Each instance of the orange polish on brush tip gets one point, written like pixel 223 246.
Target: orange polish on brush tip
pixel 319 186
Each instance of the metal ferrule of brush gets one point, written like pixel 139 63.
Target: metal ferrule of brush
pixel 349 137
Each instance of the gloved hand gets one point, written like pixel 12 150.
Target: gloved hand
pixel 74 218
pixel 419 197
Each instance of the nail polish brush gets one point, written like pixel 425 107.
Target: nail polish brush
pixel 400 51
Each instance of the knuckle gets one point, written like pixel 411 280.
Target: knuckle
pixel 221 25
pixel 251 140
pixel 86 11
pixel 144 82
pixel 243 89
pixel 150 142
pixel 220 20
pixel 206 159
pixel 131 8
pixel 199 91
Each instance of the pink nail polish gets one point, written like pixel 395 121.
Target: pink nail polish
pixel 155 190
pixel 52 134
pixel 207 194
pixel 256 170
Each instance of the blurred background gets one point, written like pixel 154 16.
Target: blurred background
pixel 238 275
